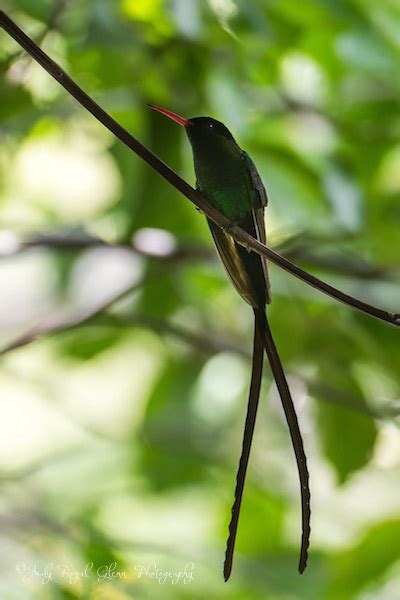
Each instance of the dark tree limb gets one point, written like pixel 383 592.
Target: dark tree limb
pixel 174 179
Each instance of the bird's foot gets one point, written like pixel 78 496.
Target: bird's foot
pixel 228 227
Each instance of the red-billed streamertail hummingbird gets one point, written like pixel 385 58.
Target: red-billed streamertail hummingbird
pixel 228 178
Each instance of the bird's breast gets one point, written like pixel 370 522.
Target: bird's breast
pixel 225 186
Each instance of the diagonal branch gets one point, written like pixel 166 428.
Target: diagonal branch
pixel 174 179
pixel 57 324
pixel 57 10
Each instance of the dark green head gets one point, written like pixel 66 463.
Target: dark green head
pixel 201 131
pixel 218 162
pixel 207 128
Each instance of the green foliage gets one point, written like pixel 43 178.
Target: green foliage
pixel 87 342
pixel 367 561
pixel 347 436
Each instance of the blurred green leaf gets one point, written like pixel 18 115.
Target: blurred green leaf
pixel 366 562
pixel 347 437
pixel 262 522
pixel 160 285
pixel 85 343
pixel 39 10
pixel 14 101
pixel 171 454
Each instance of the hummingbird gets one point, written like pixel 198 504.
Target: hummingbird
pixel 229 180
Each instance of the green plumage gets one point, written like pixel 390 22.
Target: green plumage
pixel 227 176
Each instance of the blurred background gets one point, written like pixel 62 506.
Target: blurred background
pixel 125 370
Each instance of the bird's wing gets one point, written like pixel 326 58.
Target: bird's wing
pixel 259 198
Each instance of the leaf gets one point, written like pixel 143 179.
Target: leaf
pixel 347 436
pixel 366 562
pixel 15 101
pixel 160 285
pixel 40 9
pixel 85 343
pixel 171 453
pixel 261 527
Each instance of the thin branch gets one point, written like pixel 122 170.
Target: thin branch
pixel 201 342
pixel 174 179
pixel 341 265
pixel 83 241
pixel 73 241
pixel 98 317
pixel 327 393
pixel 56 12
pixel 59 7
pixel 57 324
pixel 211 345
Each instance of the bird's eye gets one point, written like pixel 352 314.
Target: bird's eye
pixel 211 125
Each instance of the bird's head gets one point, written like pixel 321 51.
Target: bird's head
pixel 199 129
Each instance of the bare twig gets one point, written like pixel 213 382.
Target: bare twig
pixel 56 12
pixel 83 241
pixel 200 341
pixel 210 345
pixel 174 179
pixel 57 324
pixel 341 265
pixel 99 317
pixel 73 241
pixel 327 393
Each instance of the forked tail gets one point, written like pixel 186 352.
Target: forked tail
pixel 295 434
pixel 263 340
